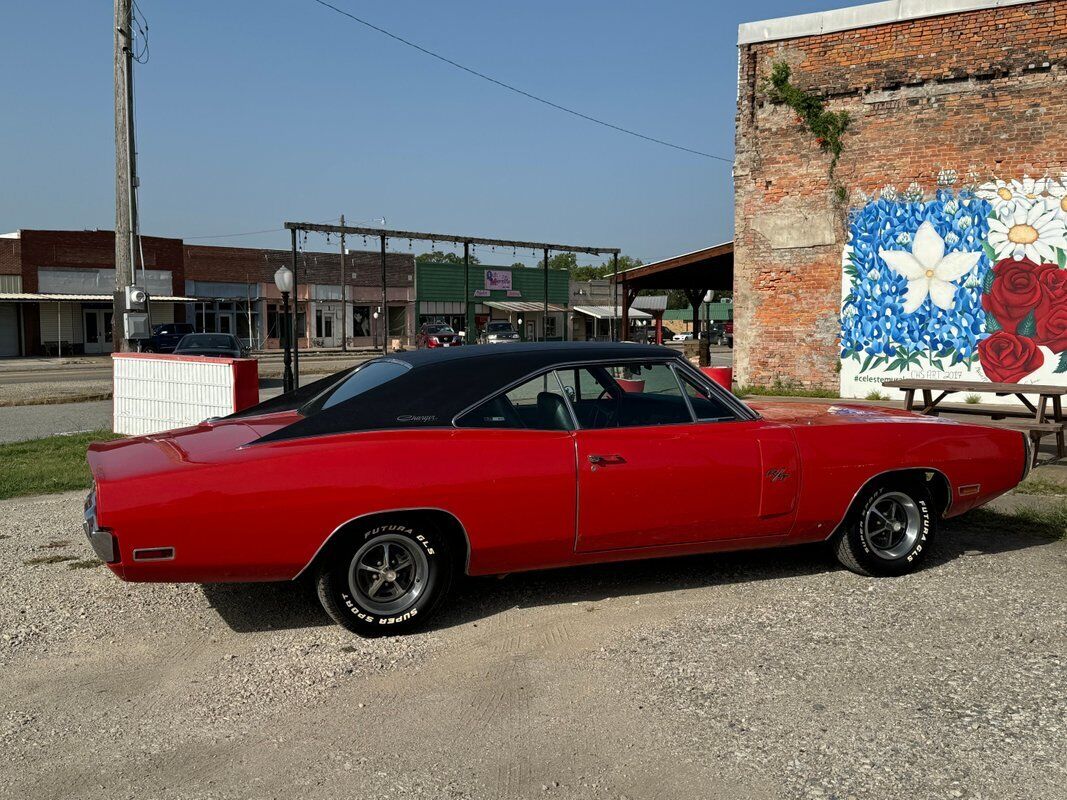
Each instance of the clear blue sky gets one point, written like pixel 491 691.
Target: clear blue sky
pixel 251 113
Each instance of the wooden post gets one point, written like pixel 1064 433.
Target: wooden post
pixel 293 332
pixel 344 283
pixel 385 304
pixel 544 317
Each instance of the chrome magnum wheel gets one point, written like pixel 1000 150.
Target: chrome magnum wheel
pixel 889 530
pixel 386 579
pixel 892 525
pixel 388 574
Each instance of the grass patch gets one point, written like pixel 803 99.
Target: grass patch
pixel 784 391
pixel 1049 522
pixel 85 563
pixel 973 399
pixel 56 559
pixel 876 395
pixel 44 466
pixel 1040 486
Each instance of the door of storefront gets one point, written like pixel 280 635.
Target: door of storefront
pixel 327 327
pixel 9 330
pixel 97 327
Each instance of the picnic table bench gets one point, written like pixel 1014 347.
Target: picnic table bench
pixel 1035 420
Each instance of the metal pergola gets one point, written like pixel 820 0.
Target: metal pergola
pixel 385 235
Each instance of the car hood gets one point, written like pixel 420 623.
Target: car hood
pixel 206 443
pixel 838 414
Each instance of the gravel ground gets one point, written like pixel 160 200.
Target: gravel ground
pixel 764 674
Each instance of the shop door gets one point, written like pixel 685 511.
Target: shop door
pixel 97 327
pixel 327 327
pixel 9 330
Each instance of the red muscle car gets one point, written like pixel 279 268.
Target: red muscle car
pixel 600 452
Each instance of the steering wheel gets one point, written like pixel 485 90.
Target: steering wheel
pixel 609 416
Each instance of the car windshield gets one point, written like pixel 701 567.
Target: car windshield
pixel 367 377
pixel 171 330
pixel 499 327
pixel 208 341
pixel 439 329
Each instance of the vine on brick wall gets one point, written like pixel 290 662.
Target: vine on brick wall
pixel 828 127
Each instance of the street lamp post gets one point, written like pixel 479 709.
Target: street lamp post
pixel 283 279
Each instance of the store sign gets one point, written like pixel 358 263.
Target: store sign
pixel 514 293
pixel 498 279
pixel 481 293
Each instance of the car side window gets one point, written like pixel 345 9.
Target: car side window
pixel 537 404
pixel 706 406
pixel 625 395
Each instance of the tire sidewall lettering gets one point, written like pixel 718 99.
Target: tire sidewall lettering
pixel 368 618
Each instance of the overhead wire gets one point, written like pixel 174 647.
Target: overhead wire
pixel 517 90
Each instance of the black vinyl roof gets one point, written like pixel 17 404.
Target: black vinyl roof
pixel 441 383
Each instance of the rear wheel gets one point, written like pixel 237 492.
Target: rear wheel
pixel 889 531
pixel 387 579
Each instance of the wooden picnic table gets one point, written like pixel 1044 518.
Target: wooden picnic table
pixel 1038 421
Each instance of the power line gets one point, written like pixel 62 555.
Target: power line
pixel 517 90
pixel 274 230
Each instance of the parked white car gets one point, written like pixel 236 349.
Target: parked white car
pixel 682 337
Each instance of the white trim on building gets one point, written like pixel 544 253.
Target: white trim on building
pixel 865 16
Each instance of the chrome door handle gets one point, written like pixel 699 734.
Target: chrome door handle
pixel 607 459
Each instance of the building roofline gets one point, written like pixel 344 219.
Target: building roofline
pixel 865 16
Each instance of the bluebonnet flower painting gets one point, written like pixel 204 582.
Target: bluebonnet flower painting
pixel 916 270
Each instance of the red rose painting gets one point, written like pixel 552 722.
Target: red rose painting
pixel 1016 291
pixel 1008 358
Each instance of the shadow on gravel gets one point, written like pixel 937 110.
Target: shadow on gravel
pixel 249 607
pixel 272 606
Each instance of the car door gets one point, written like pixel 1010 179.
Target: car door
pixel 668 461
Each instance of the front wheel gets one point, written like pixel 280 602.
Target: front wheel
pixel 889 532
pixel 387 579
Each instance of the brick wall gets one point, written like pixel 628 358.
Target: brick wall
pixel 247 264
pixel 93 250
pixel 10 263
pixel 982 92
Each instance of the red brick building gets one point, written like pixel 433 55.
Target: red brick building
pixel 56 289
pixel 942 95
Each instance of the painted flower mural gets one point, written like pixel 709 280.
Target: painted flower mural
pixel 963 284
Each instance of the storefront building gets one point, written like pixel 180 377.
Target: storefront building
pixel 56 292
pixel 516 294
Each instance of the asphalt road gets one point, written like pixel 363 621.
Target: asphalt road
pixel 766 674
pixel 23 422
pixel 72 374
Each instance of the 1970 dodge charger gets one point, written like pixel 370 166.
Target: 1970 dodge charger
pixel 386 481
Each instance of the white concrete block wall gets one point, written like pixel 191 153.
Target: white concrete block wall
pixel 158 394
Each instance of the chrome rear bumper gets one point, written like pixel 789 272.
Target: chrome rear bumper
pixel 101 539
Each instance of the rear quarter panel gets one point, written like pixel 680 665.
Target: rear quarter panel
pixel 263 511
pixel 838 460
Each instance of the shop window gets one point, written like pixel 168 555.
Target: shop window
pixel 361 320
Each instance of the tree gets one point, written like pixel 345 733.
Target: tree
pixel 440 257
pixel 604 270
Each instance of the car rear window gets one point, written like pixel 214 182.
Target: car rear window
pixel 209 340
pixel 370 375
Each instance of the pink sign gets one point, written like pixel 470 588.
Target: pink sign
pixel 498 279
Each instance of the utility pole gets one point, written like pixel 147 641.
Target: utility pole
pixel 344 311
pixel 125 173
